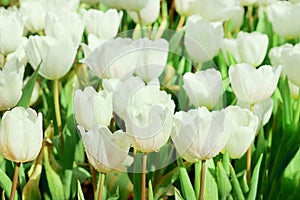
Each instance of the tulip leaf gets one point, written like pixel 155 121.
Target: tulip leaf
pixel 236 185
pixel 186 185
pixel 119 180
pixel 5 183
pixel 80 195
pixel 150 191
pixel 28 89
pixel 223 181
pixel 254 180
pixel 177 194
pixel 31 190
pixel 210 186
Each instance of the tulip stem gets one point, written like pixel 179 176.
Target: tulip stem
pixel 180 23
pixel 100 192
pixel 250 17
pixel 197 178
pixel 248 164
pixel 297 115
pixel 94 178
pixel 57 113
pixel 15 181
pixel 143 192
pixel 203 171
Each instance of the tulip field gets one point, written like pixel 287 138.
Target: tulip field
pixel 149 99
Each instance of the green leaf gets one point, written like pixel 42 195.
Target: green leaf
pixel 236 185
pixel 119 180
pixel 223 181
pixel 5 183
pixel 31 190
pixel 28 88
pixel 177 194
pixel 186 186
pixel 115 196
pixel 254 180
pixel 210 187
pixel 150 191
pixel 80 195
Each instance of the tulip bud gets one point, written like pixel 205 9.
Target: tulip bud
pixel 202 38
pixel 252 85
pixel 105 151
pixel 147 14
pixel 241 125
pixel 198 134
pixel 275 54
pixel 21 134
pixel 203 88
pixel 11 81
pixel 92 108
pixel 186 7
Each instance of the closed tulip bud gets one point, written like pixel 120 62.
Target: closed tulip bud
pixel 21 134
pixel 241 125
pixel 186 7
pixel 55 55
pixel 203 88
pixel 104 25
pixel 92 108
pixel 252 85
pixel 275 54
pixel 198 134
pixel 11 81
pixel 147 113
pixel 202 45
pixel 281 14
pixel 148 14
pixel 152 57
pixel 105 151
pixel 252 47
pixel 11 31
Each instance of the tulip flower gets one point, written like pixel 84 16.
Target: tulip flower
pixel 198 134
pixel 241 125
pixel 21 134
pixel 275 54
pixel 103 25
pixel 61 7
pixel 134 5
pixel 19 53
pixel 93 43
pixel 147 14
pixel 114 58
pixel 202 38
pixel 92 108
pixel 55 55
pixel 117 4
pixel 147 112
pixel 281 14
pixel 229 45
pixel 252 85
pixel 105 151
pixel 11 81
pixel 186 7
pixel 203 88
pixel 11 31
pixel 152 57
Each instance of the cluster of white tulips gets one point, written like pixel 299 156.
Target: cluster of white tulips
pixel 154 87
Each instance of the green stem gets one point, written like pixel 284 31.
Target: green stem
pixel 250 18
pixel 140 23
pixel 203 169
pixel 197 178
pixel 297 115
pixel 57 113
pixel 15 181
pixel 94 179
pixel 143 192
pixel 100 191
pixel 248 165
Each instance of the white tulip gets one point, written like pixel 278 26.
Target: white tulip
pixel 248 2
pixel 204 88
pixel 275 53
pixel 35 14
pixel 55 55
pixel 21 134
pixel 230 46
pixel 152 57
pixel 148 14
pixel 35 92
pixel 11 31
pixel 252 85
pixel 262 110
pixel 186 7
pixel 105 151
pixel 104 25
pixel 11 81
pixel 134 5
pixel 198 134
pixel 147 113
pixel 92 108
pixel 110 85
pixel 93 43
pixel 241 125
pixel 61 7
pixel 294 90
pixel 202 38
pixel 281 14
pixel 19 53
pixel 118 4
pixel 252 47
pixel 114 58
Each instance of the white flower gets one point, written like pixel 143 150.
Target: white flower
pixel 92 108
pixel 198 134
pixel 147 14
pixel 11 81
pixel 147 113
pixel 35 92
pixel 105 151
pixel 11 31
pixel 118 4
pixel 104 25
pixel 202 38
pixel 114 58
pixel 242 126
pixel 93 43
pixel 61 7
pixel 281 14
pixel 252 85
pixel 134 5
pixel 152 57
pixel 21 134
pixel 203 88
pixel 186 7
pixel 19 53
pixel 55 55
pixel 275 54
pixel 230 45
